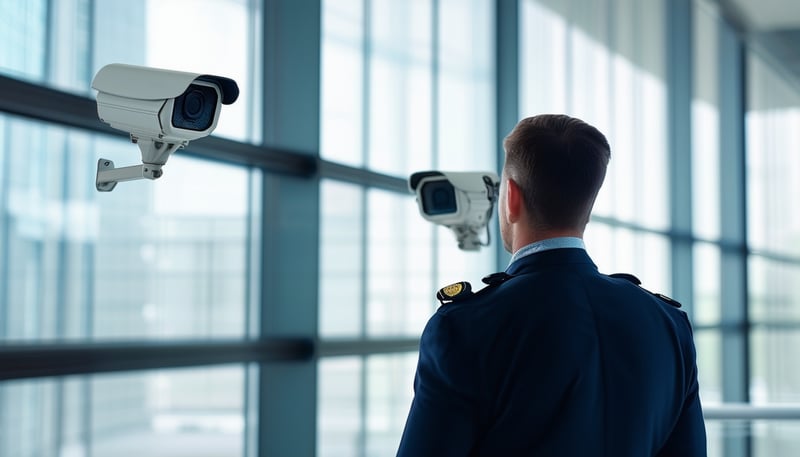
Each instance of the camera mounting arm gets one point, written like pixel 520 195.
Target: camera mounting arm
pixel 154 156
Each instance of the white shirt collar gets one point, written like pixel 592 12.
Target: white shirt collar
pixel 546 245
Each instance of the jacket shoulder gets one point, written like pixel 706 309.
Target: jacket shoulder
pixel 633 279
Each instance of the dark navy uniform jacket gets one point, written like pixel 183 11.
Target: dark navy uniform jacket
pixel 559 360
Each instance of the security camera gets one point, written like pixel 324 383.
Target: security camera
pixel 161 109
pixel 460 201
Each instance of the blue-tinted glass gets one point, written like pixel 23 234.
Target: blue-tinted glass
pixel 399 265
pixel 342 82
pixel 707 307
pixel 152 259
pixel 340 413
pixel 773 288
pixel 705 179
pixel 23 32
pixel 773 166
pixel 156 413
pixel 341 288
pixel 363 404
pixel 621 250
pixel 612 76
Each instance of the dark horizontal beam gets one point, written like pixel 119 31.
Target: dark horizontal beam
pixel 363 177
pixel 330 348
pixel 50 105
pixel 44 103
pixel 267 158
pixel 19 361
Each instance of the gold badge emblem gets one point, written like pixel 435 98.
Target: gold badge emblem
pixel 453 289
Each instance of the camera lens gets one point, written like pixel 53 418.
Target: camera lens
pixel 193 104
pixel 438 197
pixel 195 108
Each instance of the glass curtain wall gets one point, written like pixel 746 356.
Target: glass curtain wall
pixel 406 86
pixel 155 261
pixel 773 178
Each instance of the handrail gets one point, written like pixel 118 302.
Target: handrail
pixel 748 411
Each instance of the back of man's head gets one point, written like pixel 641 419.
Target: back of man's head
pixel 559 163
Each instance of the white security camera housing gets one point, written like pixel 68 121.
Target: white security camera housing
pixel 461 201
pixel 161 109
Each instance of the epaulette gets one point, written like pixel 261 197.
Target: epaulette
pixel 496 278
pixel 454 292
pixel 635 280
pixel 462 289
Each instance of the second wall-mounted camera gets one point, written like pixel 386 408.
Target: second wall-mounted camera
pixel 461 201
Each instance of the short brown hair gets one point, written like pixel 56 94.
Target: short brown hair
pixel 559 163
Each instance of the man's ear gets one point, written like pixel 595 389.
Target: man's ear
pixel 514 201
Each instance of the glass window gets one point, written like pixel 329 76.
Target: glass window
pixel 400 86
pixel 342 92
pixel 152 259
pixel 773 288
pixel 773 177
pixel 340 415
pixel 709 365
pixel 773 167
pixel 66 45
pixel 153 413
pixel 705 123
pixel 769 438
pixel 23 32
pixel 773 231
pixel 399 285
pixel 464 130
pixel 706 307
pixel 775 373
pixel 427 88
pixel 390 380
pixel 543 66
pixel 606 66
pixel 363 404
pixel 620 250
pixel 775 438
pixel 341 291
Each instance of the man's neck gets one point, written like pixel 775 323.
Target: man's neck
pixel 531 236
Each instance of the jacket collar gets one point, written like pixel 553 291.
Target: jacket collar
pixel 552 257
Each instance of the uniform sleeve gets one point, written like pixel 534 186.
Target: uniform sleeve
pixel 688 437
pixel 441 422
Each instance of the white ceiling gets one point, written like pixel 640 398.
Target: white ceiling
pixel 772 26
pixel 766 15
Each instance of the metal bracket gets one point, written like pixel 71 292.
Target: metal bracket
pixel 108 176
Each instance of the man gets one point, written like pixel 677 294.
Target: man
pixel 554 358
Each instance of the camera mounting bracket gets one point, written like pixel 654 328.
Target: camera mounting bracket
pixel 154 156
pixel 108 176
